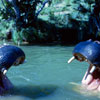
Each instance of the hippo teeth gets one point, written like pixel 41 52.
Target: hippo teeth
pixel 91 80
pixel 88 76
pixel 92 69
pixel 71 59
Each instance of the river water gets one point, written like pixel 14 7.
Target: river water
pixel 46 75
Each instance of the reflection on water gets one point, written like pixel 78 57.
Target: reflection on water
pixel 47 76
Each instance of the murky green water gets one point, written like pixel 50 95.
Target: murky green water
pixel 47 76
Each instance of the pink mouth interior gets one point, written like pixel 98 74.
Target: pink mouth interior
pixel 92 81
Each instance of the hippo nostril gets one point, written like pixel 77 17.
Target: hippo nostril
pixel 79 57
pixel 20 60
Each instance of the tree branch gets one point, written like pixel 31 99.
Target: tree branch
pixel 43 5
pixel 16 9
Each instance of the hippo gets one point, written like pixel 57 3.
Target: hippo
pixel 89 51
pixel 10 55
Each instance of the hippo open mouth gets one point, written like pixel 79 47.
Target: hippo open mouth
pixel 89 51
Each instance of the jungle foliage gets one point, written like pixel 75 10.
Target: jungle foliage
pixel 43 21
pixel 21 18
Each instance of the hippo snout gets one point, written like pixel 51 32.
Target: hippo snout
pixel 88 50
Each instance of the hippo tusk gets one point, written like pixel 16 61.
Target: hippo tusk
pixel 92 69
pixel 4 71
pixel 71 59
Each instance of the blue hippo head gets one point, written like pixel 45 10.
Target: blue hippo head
pixel 89 51
pixel 9 55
